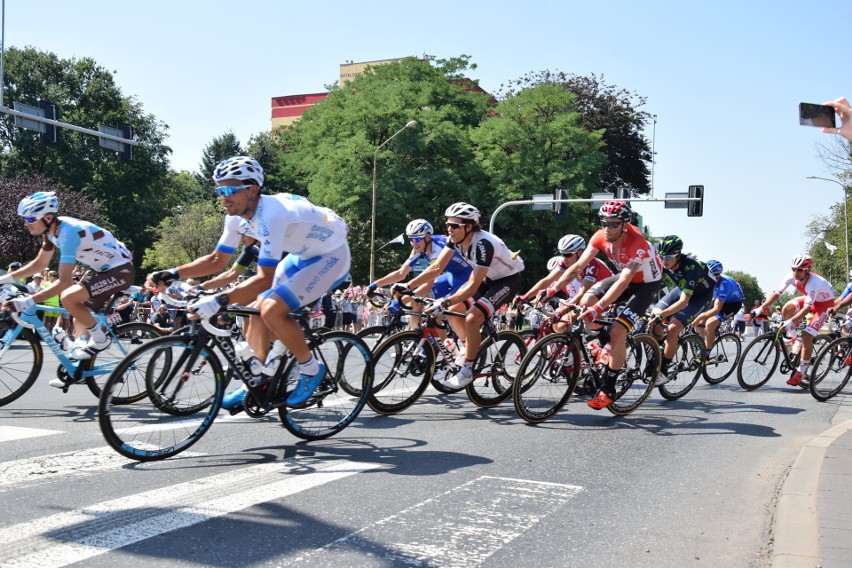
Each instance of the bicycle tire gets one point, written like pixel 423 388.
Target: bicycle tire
pixel 401 372
pixel 120 347
pixel 332 408
pixel 687 364
pixel 20 366
pixel 830 372
pixel 494 369
pixel 546 378
pixel 820 342
pixel 374 335
pixel 641 369
pixel 761 355
pixel 170 419
pixel 722 359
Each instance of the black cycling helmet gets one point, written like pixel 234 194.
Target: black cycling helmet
pixel 670 245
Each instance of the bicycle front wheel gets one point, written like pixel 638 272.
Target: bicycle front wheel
pixel 638 376
pixel 685 367
pixel 831 369
pixel 127 337
pixel 758 362
pixel 402 368
pixel 494 370
pixel 20 364
pixel 820 343
pixel 722 359
pixel 184 394
pixel 546 378
pixel 331 408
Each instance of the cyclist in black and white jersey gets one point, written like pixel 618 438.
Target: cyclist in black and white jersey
pixel 495 279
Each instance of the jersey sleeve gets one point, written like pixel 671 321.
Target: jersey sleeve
pixel 483 254
pixel 230 235
pixel 788 281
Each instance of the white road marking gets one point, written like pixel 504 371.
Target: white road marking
pixel 66 538
pixel 12 433
pixel 45 468
pixel 461 528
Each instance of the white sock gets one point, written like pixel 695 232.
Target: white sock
pixel 97 334
pixel 310 367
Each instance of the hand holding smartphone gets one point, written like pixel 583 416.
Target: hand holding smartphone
pixel 816 115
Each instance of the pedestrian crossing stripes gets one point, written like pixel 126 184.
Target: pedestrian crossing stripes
pixel 12 433
pixel 74 536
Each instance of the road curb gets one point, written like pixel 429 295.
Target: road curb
pixel 796 523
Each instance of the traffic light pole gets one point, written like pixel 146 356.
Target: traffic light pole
pixel 36 118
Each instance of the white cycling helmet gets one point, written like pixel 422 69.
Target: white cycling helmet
pixel 419 228
pixel 38 204
pixel 553 262
pixel 571 243
pixel 242 168
pixel 463 210
pixel 802 261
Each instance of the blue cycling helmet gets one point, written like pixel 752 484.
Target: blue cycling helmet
pixel 715 267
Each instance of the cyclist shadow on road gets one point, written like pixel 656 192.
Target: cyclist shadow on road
pixel 73 413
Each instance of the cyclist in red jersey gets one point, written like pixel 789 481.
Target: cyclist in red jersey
pixel 817 298
pixel 639 273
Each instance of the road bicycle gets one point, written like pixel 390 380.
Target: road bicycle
pixel 722 359
pixel 22 354
pixel 831 369
pixel 185 377
pixel 560 364
pixel 686 365
pixel 760 358
pixel 406 362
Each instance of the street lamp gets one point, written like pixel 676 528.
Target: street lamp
pixel 373 216
pixel 845 217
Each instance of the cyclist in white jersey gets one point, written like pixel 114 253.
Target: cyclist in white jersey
pixel 77 241
pixel 495 279
pixel 318 261
pixel 817 298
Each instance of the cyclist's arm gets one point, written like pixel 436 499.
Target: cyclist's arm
pixel 677 306
pixel 64 281
pixel 435 269
pixel 578 267
pixel 205 265
pixel 225 278
pixel 35 266
pixel 615 292
pixel 397 275
pixel 797 317
pixel 544 282
pixel 582 292
pixel 247 291
pixel 470 287
pixel 843 302
pixel 771 299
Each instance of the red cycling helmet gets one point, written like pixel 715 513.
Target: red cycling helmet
pixel 616 208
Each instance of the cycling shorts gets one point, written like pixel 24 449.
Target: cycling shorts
pixel 494 293
pixel 694 307
pixel 101 286
pixel 302 281
pixel 729 309
pixel 446 284
pixel 636 297
pixel 819 313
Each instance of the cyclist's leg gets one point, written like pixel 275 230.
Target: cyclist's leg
pixel 89 295
pixel 820 315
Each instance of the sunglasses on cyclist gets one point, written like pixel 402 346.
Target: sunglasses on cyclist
pixel 668 256
pixel 611 224
pixel 229 190
pixel 416 239
pixel 454 226
pixel 30 220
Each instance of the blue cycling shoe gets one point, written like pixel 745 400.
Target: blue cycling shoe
pixel 234 398
pixel 306 386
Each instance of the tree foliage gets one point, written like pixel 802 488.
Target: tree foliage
pixel 220 148
pixel 751 289
pixel 192 232
pixel 86 95
pixel 16 243
pixel 615 111
pixel 822 233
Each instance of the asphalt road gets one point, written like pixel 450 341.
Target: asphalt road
pixel 685 483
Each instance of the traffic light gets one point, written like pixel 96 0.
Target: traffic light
pixel 695 208
pixel 560 209
pixel 48 137
pixel 126 155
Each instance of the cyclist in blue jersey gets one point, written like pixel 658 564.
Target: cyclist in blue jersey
pixel 432 283
pixel 727 301
pixel 694 291
pixel 77 241
pixel 845 297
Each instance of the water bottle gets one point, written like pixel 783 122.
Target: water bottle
pixel 594 347
pixel 247 356
pixel 603 356
pixel 273 359
pixel 451 347
pixel 796 345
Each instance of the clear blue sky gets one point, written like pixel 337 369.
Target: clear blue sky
pixel 723 78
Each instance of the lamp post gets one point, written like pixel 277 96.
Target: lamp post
pixel 373 216
pixel 845 217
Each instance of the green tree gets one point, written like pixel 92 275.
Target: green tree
pixel 221 147
pixel 535 143
pixel 751 289
pixel 86 95
pixel 614 110
pixel 16 243
pixel 822 233
pixel 422 171
pixel 271 149
pixel 191 232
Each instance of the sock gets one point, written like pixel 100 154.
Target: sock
pixel 468 364
pixel 97 334
pixel 309 367
pixel 803 366
pixel 665 365
pixel 609 376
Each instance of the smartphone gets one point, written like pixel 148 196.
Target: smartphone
pixel 816 115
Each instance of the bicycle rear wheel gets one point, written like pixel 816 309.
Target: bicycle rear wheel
pixel 184 396
pixel 831 369
pixel 758 362
pixel 331 408
pixel 722 359
pixel 820 343
pixel 546 378
pixel 685 367
pixel 639 374
pixel 402 369
pixel 127 337
pixel 20 364
pixel 494 370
